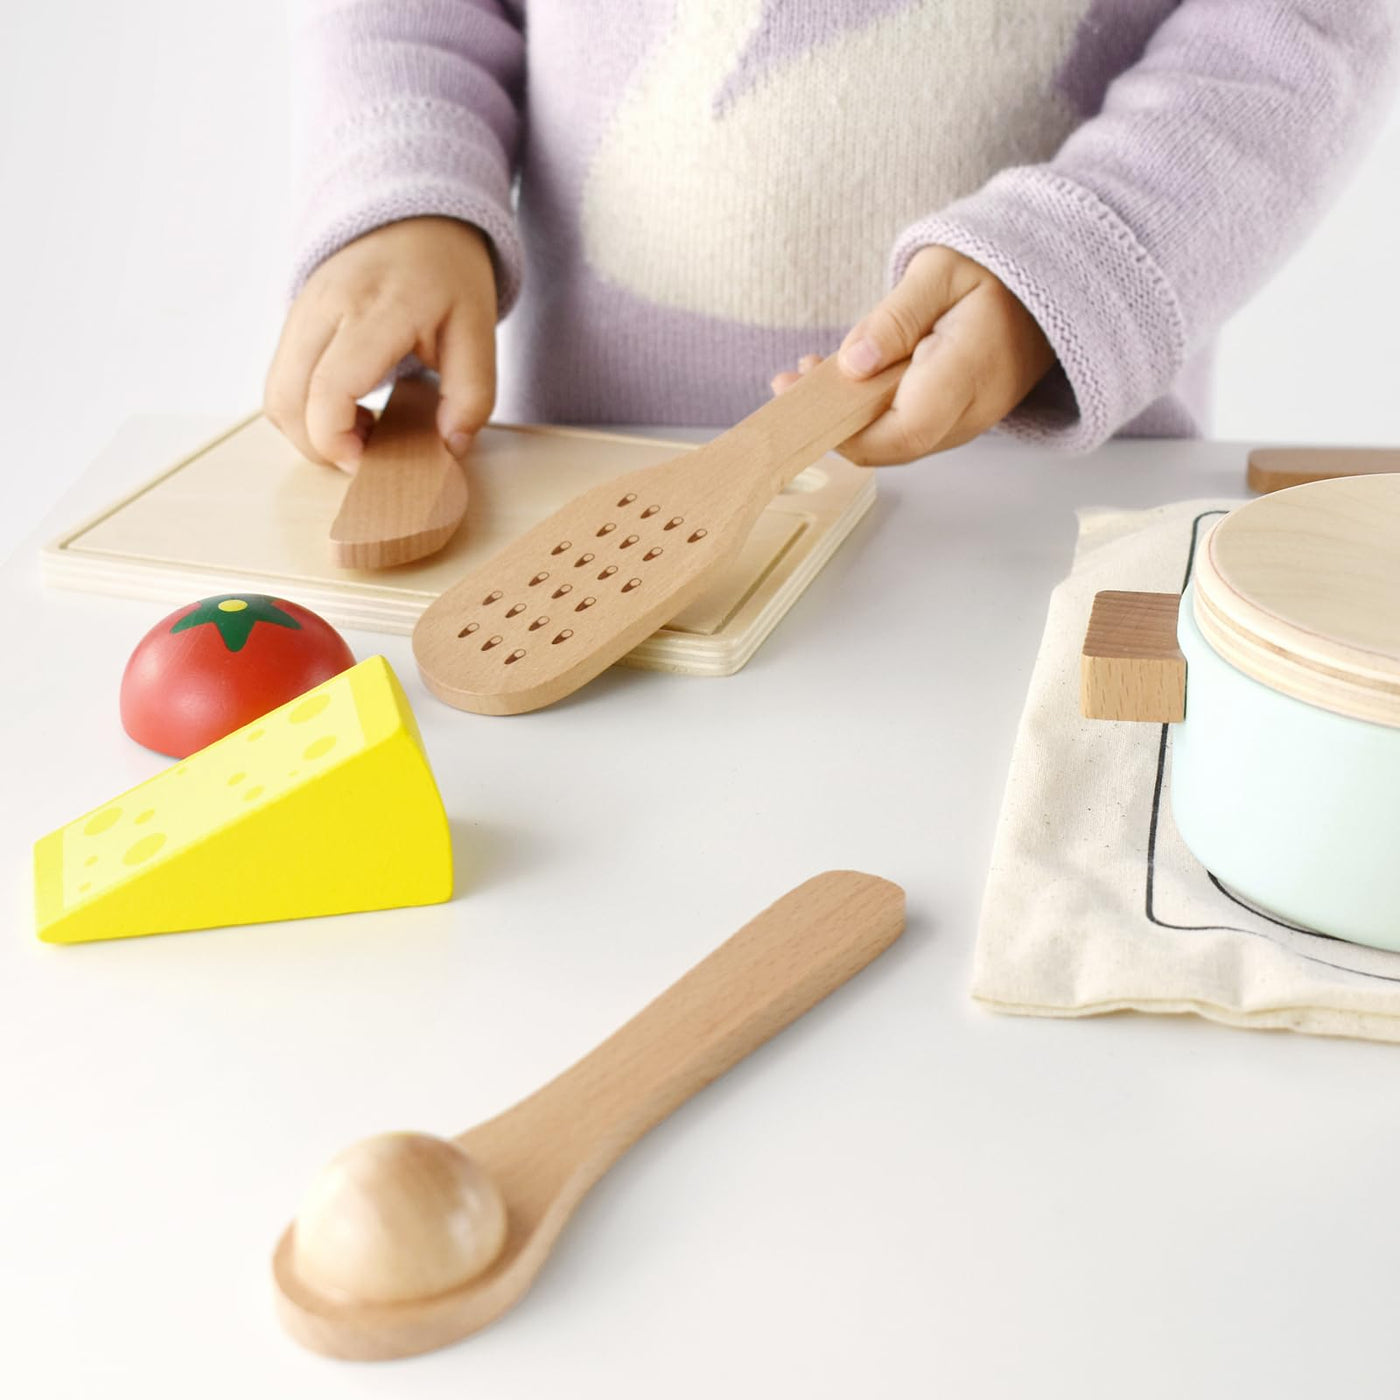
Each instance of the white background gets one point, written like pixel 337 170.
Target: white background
pixel 1145 1206
pixel 145 228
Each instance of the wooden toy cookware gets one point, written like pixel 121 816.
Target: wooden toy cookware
pixel 408 495
pixel 581 589
pixel 408 1242
pixel 1279 667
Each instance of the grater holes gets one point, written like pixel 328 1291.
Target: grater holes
pixel 607 529
pixel 631 584
pixel 514 656
pixel 516 610
pixel 587 603
pixel 629 542
pixel 562 590
pixel 563 636
pixel 491 598
pixel 627 499
pixel 469 629
pixel 538 623
pixel 650 511
pixel 673 522
pixel 608 572
pixel 652 553
pixel 562 547
pixel 698 535
pixel 490 642
pixel 538 578
pixel 582 560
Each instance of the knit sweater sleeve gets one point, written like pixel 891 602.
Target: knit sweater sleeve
pixel 1206 165
pixel 406 108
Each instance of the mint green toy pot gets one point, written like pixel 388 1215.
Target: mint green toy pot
pixel 1294 808
pixel 1279 671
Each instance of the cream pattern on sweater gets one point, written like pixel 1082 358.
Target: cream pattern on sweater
pixel 679 207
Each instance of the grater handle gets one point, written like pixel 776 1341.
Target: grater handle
pixel 819 412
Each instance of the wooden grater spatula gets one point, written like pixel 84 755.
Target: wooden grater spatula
pixel 409 494
pixel 585 586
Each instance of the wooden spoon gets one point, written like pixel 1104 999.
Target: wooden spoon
pixel 400 1249
pixel 408 494
pixel 582 588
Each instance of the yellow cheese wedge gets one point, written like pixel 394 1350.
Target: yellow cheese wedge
pixel 324 806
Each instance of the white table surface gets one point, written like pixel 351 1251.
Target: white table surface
pixel 901 1196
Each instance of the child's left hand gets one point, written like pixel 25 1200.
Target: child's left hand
pixel 976 353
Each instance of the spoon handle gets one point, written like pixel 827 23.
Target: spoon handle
pixel 777 966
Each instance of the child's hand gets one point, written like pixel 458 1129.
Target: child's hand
pixel 423 286
pixel 976 353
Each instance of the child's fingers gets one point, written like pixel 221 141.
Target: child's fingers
pixel 304 338
pixel 361 353
pixel 900 320
pixel 466 365
pixel 788 377
pixel 933 399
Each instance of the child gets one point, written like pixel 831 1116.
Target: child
pixel 1069 198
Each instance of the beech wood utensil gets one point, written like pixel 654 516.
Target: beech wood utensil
pixel 582 588
pixel 1276 468
pixel 408 495
pixel 398 1232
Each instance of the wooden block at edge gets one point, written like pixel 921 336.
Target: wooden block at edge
pixel 1277 468
pixel 1131 667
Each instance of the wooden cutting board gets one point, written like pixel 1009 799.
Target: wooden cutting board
pixel 245 511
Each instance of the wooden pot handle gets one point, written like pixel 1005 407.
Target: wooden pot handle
pixel 1274 468
pixel 1131 666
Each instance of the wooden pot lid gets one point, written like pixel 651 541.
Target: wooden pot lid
pixel 1301 590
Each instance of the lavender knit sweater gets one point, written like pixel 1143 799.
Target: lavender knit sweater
pixel 685 195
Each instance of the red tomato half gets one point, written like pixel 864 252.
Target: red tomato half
pixel 218 664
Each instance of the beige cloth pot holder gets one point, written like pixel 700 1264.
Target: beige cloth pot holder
pixel 1093 903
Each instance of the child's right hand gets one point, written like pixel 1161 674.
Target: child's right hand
pixel 423 286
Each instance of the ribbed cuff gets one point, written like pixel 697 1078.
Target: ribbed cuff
pixel 407 160
pixel 1103 303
